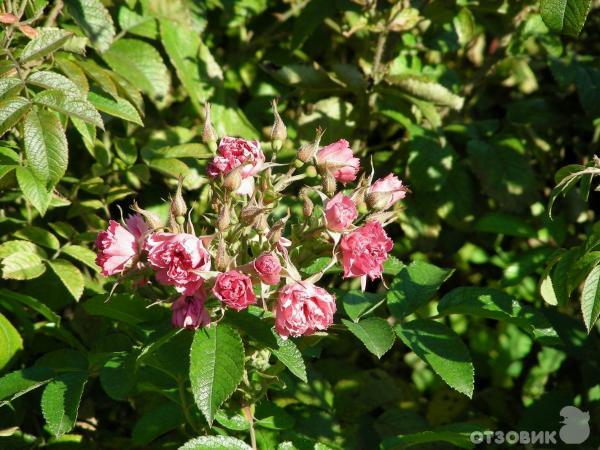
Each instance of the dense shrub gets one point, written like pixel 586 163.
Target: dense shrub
pixel 401 250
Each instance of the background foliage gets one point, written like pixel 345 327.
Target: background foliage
pixel 489 110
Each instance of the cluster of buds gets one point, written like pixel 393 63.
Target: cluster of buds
pixel 247 257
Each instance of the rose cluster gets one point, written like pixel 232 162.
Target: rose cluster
pixel 248 256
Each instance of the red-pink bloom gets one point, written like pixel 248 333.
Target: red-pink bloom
pixel 365 250
pixel 234 289
pixel 234 152
pixel 268 268
pixel 177 260
pixel 340 212
pixel 390 185
pixel 189 311
pixel 303 308
pixel 338 159
pixel 118 245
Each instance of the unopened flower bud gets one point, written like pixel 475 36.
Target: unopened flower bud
pixel 209 134
pixel 311 171
pixel 279 131
pixel 329 184
pixel 233 179
pixel 151 219
pixel 249 214
pixel 261 223
pixel 8 18
pixel 178 206
pixel 173 225
pixel 378 200
pixel 28 31
pixel 308 151
pixel 222 258
pixel 307 206
pixel 224 219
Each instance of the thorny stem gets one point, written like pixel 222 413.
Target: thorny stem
pixel 54 12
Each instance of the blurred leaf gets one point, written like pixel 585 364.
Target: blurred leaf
pixel 374 332
pixel 120 108
pixel 216 367
pixel 503 223
pixel 94 19
pixel 311 16
pixel 443 350
pixel 32 303
pixel 126 308
pixel 10 342
pixel 156 422
pixel 60 401
pixel 426 89
pixel 458 435
pixel 40 236
pixel 141 64
pixel 118 375
pixel 565 16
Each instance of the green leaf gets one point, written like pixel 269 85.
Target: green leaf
pixel 357 303
pixel 9 247
pixel 590 298
pixel 565 16
pixel 95 21
pixel 426 89
pixel 134 23
pixel 215 443
pixel 38 235
pixel 20 382
pixel 458 435
pixel 32 303
pixel 508 224
pixel 46 41
pixel 70 276
pixel 70 105
pixel 442 349
pixel 118 376
pixel 33 189
pixel 268 415
pixel 126 308
pixel 11 111
pixel 374 332
pixel 156 422
pixel 10 342
pixel 60 401
pixel 465 26
pixel 45 146
pixel 287 352
pixel 494 304
pixel 73 72
pixel 120 107
pixel 141 64
pixel 52 80
pixel 22 266
pixel 216 366
pixel 9 87
pixel 414 286
pixel 82 254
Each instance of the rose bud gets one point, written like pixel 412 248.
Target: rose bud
pixel 385 192
pixel 150 218
pixel 209 134
pixel 268 268
pixel 177 259
pixel 178 206
pixel 307 205
pixel 337 159
pixel 234 289
pixel 364 251
pixel 222 258
pixel 8 18
pixel 279 130
pixel 308 151
pixel 329 184
pixel 233 180
pixel 303 308
pixel 224 219
pixel 189 311
pixel 340 212
pixel 117 246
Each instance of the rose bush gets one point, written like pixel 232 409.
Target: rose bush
pixel 300 225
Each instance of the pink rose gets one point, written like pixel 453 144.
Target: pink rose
pixel 338 159
pixel 118 245
pixel 390 186
pixel 234 152
pixel 189 311
pixel 177 260
pixel 268 268
pixel 303 308
pixel 364 251
pixel 234 289
pixel 340 212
